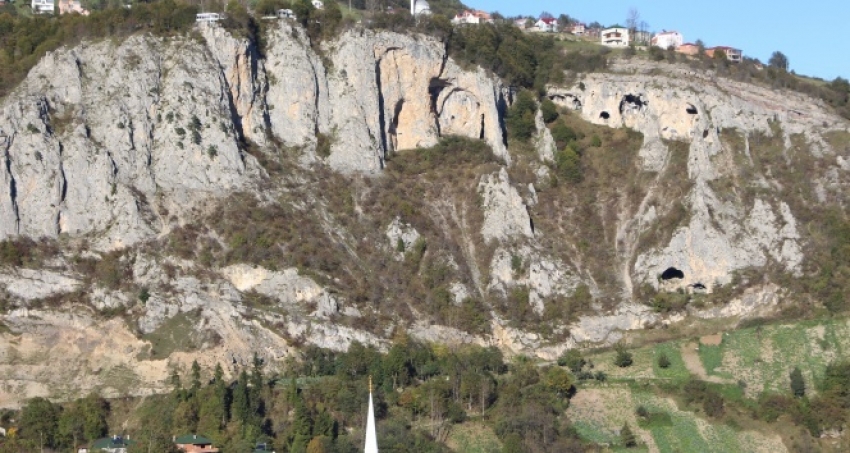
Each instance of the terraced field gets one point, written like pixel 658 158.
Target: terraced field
pixel 741 364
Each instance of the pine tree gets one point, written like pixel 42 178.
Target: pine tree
pixel 663 361
pixel 798 385
pixel 627 437
pixel 196 377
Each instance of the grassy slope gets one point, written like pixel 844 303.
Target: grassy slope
pixel 747 362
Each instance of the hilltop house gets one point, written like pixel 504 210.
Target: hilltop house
pixel 578 29
pixel 667 39
pixel 318 4
pixel 688 48
pixel 72 6
pixel 473 17
pixel 193 443
pixel 42 6
pixel 615 37
pixel 732 54
pixel 114 444
pixel 547 25
pixel 522 23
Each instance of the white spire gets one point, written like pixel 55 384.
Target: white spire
pixel 371 437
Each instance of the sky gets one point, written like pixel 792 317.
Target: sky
pixel 808 33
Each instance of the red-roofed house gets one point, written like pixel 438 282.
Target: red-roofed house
pixel 688 48
pixel 472 17
pixel 547 24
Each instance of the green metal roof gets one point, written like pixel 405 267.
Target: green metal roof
pixel 193 439
pixel 111 442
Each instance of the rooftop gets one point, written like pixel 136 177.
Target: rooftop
pixel 192 439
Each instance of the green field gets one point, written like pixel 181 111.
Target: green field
pixel 746 363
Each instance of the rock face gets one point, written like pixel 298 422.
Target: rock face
pixel 721 235
pixel 129 146
pixel 505 214
pixel 101 137
pixel 390 92
pixel 124 139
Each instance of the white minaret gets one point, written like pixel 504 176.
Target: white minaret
pixel 371 437
pixel 412 7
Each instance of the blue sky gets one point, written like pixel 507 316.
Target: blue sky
pixel 808 33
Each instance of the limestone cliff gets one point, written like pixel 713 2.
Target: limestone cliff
pixel 202 199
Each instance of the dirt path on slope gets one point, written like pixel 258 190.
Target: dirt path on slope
pixel 690 355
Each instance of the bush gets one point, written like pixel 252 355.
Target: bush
pixel 549 111
pixel 663 361
pixel 623 358
pixel 572 359
pixel 520 117
pixel 563 135
pixel 568 164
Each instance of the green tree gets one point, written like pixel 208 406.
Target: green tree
pixel 663 361
pixel 778 60
pixel 39 423
pixel 572 359
pixel 627 437
pixel 623 358
pixel 798 385
pixel 196 377
pixel 520 117
pixel 560 380
pixel 568 164
pixel 549 110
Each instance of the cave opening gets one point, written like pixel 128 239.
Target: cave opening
pixel 631 102
pixel 705 133
pixel 691 109
pixel 672 274
pixel 604 115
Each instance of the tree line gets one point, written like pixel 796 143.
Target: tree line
pixel 319 404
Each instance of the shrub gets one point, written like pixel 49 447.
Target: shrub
pixel 520 117
pixel 563 135
pixel 572 359
pixel 549 111
pixel 568 164
pixel 663 361
pixel 623 358
pixel 798 385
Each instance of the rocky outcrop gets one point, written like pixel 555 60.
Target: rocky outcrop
pixel 31 284
pixel 718 236
pixel 101 137
pixel 505 214
pixel 289 288
pixel 390 92
pixel 401 236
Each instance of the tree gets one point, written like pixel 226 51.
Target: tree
pixel 549 110
pixel 572 359
pixel 627 437
pixel 700 48
pixel 196 377
pixel 568 163
pixel 798 385
pixel 559 380
pixel 663 361
pixel 39 422
pixel 778 60
pixel 623 358
pixel 633 20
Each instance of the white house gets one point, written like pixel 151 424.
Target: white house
pixel 318 4
pixel 615 37
pixel 285 14
pixel 472 17
pixel 547 24
pixel 208 17
pixel 666 39
pixel 419 7
pixel 42 6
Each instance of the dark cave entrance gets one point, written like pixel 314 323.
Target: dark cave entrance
pixel 671 274
pixel 605 115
